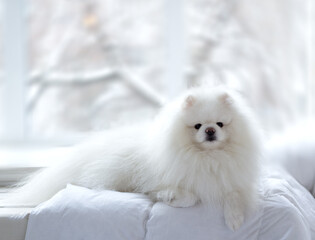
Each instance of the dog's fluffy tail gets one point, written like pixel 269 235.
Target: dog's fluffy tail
pixel 37 188
pixel 44 183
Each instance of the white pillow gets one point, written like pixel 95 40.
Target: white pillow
pixel 294 150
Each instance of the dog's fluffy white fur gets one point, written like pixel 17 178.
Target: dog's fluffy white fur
pixel 204 146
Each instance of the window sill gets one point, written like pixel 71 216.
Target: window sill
pixel 12 175
pixel 13 223
pixel 18 163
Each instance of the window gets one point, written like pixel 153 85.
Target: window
pixel 72 67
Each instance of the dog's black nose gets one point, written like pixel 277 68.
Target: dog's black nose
pixel 210 131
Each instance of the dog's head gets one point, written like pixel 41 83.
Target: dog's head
pixel 211 118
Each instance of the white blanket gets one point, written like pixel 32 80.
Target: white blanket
pixel 286 211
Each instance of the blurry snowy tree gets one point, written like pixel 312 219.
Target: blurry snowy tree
pixel 94 64
pixel 257 47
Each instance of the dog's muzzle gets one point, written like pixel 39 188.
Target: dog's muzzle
pixel 210 134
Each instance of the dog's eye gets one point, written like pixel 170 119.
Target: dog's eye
pixel 220 124
pixel 198 125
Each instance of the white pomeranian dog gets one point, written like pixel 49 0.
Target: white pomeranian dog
pixel 202 147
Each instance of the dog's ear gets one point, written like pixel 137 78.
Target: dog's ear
pixel 189 102
pixel 226 98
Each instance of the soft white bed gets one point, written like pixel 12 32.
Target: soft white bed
pixel 286 211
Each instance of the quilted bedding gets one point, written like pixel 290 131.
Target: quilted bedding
pixel 286 211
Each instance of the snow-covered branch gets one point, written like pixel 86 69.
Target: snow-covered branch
pixel 133 81
pixel 73 78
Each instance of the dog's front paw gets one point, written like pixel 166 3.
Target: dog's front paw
pixel 234 219
pixel 177 198
pixel 186 201
pixel 234 210
pixel 166 196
